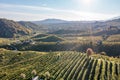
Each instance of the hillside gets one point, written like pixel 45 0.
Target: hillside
pixel 9 28
pixel 40 35
pixel 51 38
pixel 114 22
pixel 32 26
pixel 57 66
pixel 107 32
pixel 67 32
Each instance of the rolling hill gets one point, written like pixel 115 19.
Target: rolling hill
pixel 40 35
pixel 51 38
pixel 9 28
pixel 32 26
pixel 67 32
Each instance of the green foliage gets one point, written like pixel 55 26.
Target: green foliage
pixel 102 53
pixel 40 36
pixel 110 48
pixel 50 39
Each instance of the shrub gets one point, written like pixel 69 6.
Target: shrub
pixel 47 75
pixel 34 73
pixel 89 51
pixel 58 55
pixel 20 53
pixel 103 53
pixel 42 76
pixel 22 75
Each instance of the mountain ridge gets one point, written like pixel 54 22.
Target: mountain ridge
pixel 50 21
pixel 9 28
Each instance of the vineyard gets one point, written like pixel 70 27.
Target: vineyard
pixel 59 40
pixel 64 65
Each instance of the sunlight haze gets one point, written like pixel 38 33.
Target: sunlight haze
pixel 60 9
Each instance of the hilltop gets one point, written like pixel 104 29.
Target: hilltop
pixel 49 21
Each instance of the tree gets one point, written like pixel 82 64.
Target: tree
pixel 89 51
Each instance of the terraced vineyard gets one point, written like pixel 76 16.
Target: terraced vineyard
pixel 58 65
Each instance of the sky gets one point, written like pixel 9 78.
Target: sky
pixel 71 10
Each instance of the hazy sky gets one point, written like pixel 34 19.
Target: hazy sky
pixel 61 9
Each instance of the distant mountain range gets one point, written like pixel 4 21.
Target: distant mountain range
pixel 50 21
pixel 118 17
pixel 58 21
pixel 58 24
pixel 9 28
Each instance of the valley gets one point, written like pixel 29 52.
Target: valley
pixel 57 50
